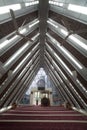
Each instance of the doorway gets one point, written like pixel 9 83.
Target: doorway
pixel 38 95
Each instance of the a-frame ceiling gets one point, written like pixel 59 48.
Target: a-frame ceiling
pixel 65 61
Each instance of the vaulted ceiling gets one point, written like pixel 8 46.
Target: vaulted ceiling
pixel 64 60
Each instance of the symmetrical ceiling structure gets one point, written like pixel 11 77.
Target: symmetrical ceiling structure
pixel 47 24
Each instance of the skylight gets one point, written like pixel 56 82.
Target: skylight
pixel 5 9
pixel 55 3
pixel 31 3
pixel 77 8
